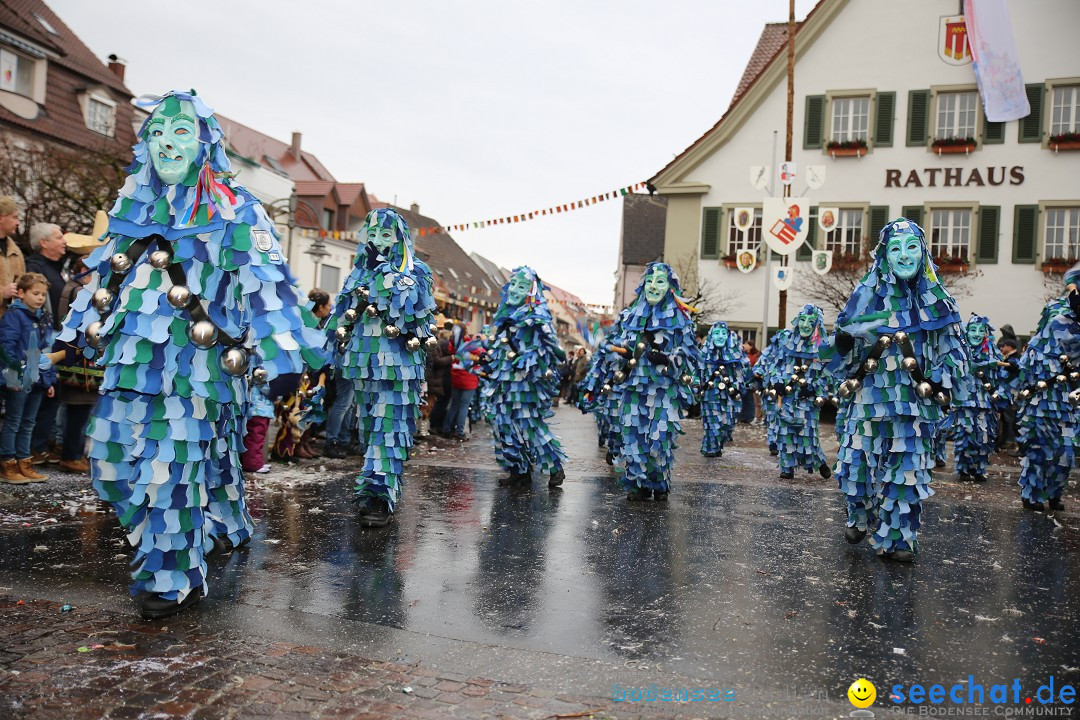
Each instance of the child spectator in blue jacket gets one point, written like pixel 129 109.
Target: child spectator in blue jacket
pixel 25 337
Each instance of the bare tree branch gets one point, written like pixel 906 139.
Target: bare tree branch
pixel 703 293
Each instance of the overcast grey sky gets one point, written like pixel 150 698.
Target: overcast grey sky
pixel 473 110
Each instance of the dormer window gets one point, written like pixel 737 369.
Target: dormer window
pixel 46 24
pixel 16 73
pixel 100 114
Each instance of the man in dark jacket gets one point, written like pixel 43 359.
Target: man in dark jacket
pixel 438 379
pixel 49 248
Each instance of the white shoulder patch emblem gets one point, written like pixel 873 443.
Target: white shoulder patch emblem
pixel 263 240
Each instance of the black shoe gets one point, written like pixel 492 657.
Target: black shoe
pixel 711 454
pixel 599 442
pixel 787 474
pixel 376 514
pixel 556 478
pixel 516 479
pixel 854 535
pixel 334 451
pixel 978 478
pixel 354 449
pixel 154 607
pixel 1036 506
pixel 964 477
pixel 638 494
pixel 610 458
pixel 773 451
pixel 939 463
pixel 659 496
pixel 825 470
pixel 900 556
pixel 1056 504
pixel 223 546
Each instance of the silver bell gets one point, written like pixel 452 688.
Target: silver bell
pixel 662 369
pixel 1074 398
pixel 711 385
pixel 1060 379
pixel 342 347
pixel 342 333
pixel 259 376
pixel 350 315
pixel 433 329
pixel 606 388
pixel 361 291
pixel 721 386
pixel 203 333
pixel 371 311
pixel 413 344
pixel 1074 376
pixel 923 390
pixel 870 365
pixel 802 382
pixel 178 296
pixel 980 374
pixel 1063 358
pixel 160 259
pixel 234 361
pixel 819 401
pixel 120 263
pixel 686 379
pixel 987 386
pixel 844 390
pixel 854 384
pixel 392 331
pixel 900 336
pixel 431 343
pixel 716 373
pixel 618 376
pixel 772 392
pixel 640 347
pixel 548 374
pixel 510 355
pixel 1025 394
pixel 835 400
pixel 93 334
pixel 787 389
pixel 632 362
pixel 1041 384
pixel 804 368
pixel 941 398
pixel 102 299
pixel 909 364
pixel 884 341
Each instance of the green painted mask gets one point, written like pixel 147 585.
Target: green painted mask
pixel 904 253
pixel 718 335
pixel 518 289
pixel 806 324
pixel 172 137
pixel 656 286
pixel 381 237
pixel 976 333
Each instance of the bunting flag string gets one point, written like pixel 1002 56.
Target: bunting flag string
pixel 507 220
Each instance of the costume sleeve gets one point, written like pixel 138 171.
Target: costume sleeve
pixel 947 356
pixel 404 298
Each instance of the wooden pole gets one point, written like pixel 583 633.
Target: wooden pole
pixel 782 309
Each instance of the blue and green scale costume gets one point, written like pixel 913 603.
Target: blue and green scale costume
pixel 724 369
pixel 974 421
pixel 765 375
pixel 655 393
pixel 166 434
pixel 799 380
pixel 885 458
pixel 523 381
pixel 383 325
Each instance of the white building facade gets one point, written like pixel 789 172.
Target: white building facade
pixel 1006 208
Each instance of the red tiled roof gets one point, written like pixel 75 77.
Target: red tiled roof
pixel 770 45
pixel 314 188
pixel 253 144
pixel 566 298
pixel 349 193
pixel 72 71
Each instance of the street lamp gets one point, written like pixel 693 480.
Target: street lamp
pixel 288 206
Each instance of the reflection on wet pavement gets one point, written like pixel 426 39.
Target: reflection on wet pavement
pixel 739 579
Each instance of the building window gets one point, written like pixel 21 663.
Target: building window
pixel 748 240
pixel 330 279
pixel 1065 113
pixel 16 73
pixel 845 238
pixel 1062 234
pixel 100 115
pixel 328 219
pixel 950 234
pixel 957 114
pixel 850 119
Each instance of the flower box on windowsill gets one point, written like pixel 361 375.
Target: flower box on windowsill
pixel 1065 145
pixel 965 149
pixel 730 262
pixel 952 268
pixel 1057 266
pixel 847 152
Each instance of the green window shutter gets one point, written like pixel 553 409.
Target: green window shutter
pixel 805 251
pixel 1025 229
pixel 879 217
pixel 918 115
pixel 989 225
pixel 883 119
pixel 1031 127
pixel 993 133
pixel 814 122
pixel 913 213
pixel 710 234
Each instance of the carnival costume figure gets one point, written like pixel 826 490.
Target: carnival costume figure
pixel 190 292
pixel 765 377
pixel 523 382
pixel 660 357
pixel 1046 407
pixel 724 367
pixel 383 325
pixel 899 344
pixel 800 388
pixel 974 418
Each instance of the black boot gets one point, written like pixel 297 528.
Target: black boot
pixel 516 478
pixel 334 451
pixel 155 607
pixel 375 514
pixel 1056 504
pixel 610 458
pixel 825 470
pixel 900 556
pixel 854 535
pixel 978 478
pixel 787 474
pixel 1029 505
pixel 939 463
pixel 223 546
pixel 659 496
pixel 556 478
pixel 773 451
pixel 638 494
pixel 963 477
pixel 599 442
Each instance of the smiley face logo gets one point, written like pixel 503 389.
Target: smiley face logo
pixel 862 693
